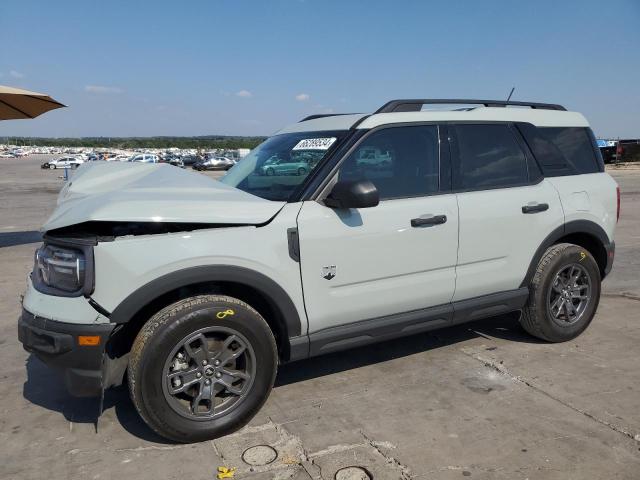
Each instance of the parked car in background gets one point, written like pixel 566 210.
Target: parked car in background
pixel 107 156
pixel 620 150
pixel 215 163
pixel 176 162
pixel 144 158
pixel 284 166
pixel 190 160
pixel 607 150
pixel 628 150
pixel 373 157
pixel 168 157
pixel 19 152
pixel 64 162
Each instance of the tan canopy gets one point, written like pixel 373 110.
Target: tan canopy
pixel 16 103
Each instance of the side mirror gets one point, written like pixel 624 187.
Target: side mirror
pixel 353 194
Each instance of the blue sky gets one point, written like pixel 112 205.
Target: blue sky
pixel 242 67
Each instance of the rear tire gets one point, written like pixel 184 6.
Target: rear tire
pixel 563 294
pixel 202 367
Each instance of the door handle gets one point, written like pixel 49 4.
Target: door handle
pixel 538 207
pixel 435 220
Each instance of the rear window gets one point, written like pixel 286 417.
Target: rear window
pixel 562 150
pixel 487 156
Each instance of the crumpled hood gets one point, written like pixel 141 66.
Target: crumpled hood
pixel 137 192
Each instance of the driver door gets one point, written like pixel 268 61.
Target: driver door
pixel 373 263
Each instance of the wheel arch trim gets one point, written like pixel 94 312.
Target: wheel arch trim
pixel 576 226
pixel 273 292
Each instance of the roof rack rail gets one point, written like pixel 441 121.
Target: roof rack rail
pixel 322 115
pixel 415 105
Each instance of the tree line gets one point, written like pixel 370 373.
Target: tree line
pixel 203 142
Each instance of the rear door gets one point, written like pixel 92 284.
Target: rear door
pixel 506 208
pixel 571 162
pixel 367 263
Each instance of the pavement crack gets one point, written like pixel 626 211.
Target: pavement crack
pixel 628 296
pixel 306 460
pixel 460 468
pixel 502 369
pixel 335 449
pixel 215 449
pixel 405 472
pixel 283 432
pixel 313 469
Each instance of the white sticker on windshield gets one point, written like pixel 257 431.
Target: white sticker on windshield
pixel 315 144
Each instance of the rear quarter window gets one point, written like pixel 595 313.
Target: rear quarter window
pixel 562 150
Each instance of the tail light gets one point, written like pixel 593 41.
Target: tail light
pixel 618 206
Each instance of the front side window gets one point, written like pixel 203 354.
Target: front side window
pixel 488 156
pixel 400 161
pixel 279 165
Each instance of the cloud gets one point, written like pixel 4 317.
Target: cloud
pixel 101 89
pixel 244 94
pixel 15 74
pixel 303 97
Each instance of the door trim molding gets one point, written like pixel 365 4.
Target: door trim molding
pixel 387 327
pixel 489 305
pixel 352 335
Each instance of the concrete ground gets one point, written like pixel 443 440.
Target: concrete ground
pixel 484 400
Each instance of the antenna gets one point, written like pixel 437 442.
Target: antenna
pixel 511 93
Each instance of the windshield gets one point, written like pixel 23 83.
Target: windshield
pixel 276 167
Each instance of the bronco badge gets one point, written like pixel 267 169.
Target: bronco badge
pixel 329 272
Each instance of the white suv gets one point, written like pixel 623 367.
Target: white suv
pixel 198 289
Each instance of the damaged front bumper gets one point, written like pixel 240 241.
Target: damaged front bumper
pixel 59 345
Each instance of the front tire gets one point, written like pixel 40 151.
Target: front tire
pixel 202 367
pixel 52 167
pixel 563 295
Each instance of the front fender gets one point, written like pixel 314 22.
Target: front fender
pixel 210 273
